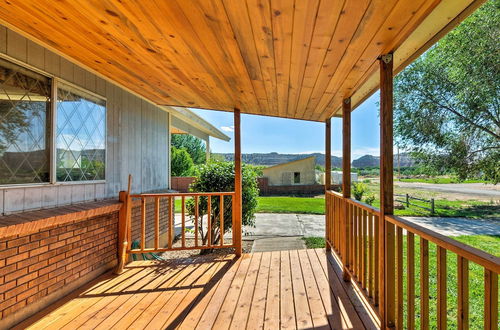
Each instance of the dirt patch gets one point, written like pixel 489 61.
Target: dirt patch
pixel 179 254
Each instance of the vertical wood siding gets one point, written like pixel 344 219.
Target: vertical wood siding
pixel 137 136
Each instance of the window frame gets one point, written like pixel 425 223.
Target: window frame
pixel 55 83
pixel 296 176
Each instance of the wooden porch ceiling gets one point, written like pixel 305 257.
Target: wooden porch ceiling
pixel 286 58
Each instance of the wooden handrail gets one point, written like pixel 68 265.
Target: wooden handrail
pixel 189 194
pixel 477 256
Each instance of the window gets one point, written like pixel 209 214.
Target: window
pixel 24 125
pixel 81 126
pixel 296 177
pixel 26 132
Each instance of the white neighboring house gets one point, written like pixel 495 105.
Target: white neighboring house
pixel 337 177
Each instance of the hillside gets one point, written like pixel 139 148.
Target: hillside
pixel 274 158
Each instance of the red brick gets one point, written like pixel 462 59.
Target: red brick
pixel 16 274
pixel 17 258
pixel 57 258
pixel 18 241
pixel 57 245
pixel 47 241
pixel 55 287
pixel 27 262
pixel 7 303
pixel 14 308
pixel 65 235
pixel 39 236
pixel 8 253
pixel 38 280
pixel 7 286
pixel 27 278
pixel 16 290
pixel 73 239
pixel 56 272
pixel 38 251
pixel 27 293
pixel 46 284
pixel 37 296
pixel 47 269
pixel 37 266
pixel 29 246
pixel 47 255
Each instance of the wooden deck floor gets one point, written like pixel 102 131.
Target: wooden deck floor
pixel 288 289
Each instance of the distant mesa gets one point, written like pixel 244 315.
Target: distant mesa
pixel 274 158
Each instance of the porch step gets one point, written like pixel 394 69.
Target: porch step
pixel 278 244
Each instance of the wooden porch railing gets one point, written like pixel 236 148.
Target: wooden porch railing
pixel 353 233
pixel 210 221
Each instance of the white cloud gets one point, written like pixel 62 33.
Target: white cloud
pixel 227 128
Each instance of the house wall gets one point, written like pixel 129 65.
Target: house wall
pixel 276 174
pixel 137 135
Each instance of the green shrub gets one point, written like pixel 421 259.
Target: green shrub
pixel 219 177
pixel 358 189
pixel 182 164
pixel 370 199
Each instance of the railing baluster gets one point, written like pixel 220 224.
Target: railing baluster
pixel 221 220
pixel 441 288
pixel 143 223
pixel 157 223
pixel 410 288
pixel 399 277
pixel 463 292
pixel 171 215
pixel 371 272
pixel 365 248
pixel 183 204
pixel 355 240
pixel 424 283
pixel 209 221
pixel 490 299
pixel 377 258
pixel 196 211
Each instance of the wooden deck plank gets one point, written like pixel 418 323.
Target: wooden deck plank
pixel 272 313
pixel 318 313
pixel 226 312
pixel 242 311
pixel 258 306
pixel 271 290
pixel 150 316
pixel 287 307
pixel 302 309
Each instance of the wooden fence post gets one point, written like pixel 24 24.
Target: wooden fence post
pixel 238 198
pixel 386 229
pixel 124 219
pixel 328 179
pixel 346 183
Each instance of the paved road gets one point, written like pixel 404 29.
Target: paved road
pixel 472 189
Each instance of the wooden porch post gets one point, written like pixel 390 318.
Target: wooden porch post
pixel 237 205
pixel 346 181
pixel 328 173
pixel 123 223
pixel 386 229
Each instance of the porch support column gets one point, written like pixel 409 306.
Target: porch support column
pixel 328 172
pixel 346 181
pixel 386 229
pixel 237 207
pixel 207 155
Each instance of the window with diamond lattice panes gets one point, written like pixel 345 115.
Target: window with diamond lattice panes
pixel 24 126
pixel 81 136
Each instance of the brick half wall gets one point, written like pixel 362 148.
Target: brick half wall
pixel 38 268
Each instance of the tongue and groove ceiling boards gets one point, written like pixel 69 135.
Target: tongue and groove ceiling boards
pixel 287 58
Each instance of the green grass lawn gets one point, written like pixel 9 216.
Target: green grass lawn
pixel 310 205
pixel 307 205
pixel 490 244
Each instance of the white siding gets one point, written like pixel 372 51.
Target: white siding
pixel 137 136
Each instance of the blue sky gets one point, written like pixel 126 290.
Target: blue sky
pixel 267 134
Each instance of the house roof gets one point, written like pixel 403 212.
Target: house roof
pixel 288 163
pixel 286 58
pixel 187 122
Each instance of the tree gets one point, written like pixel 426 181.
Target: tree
pixel 182 164
pixel 194 146
pixel 447 104
pixel 219 177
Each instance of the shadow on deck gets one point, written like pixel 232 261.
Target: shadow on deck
pixel 288 289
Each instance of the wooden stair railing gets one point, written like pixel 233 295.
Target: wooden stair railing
pixel 360 229
pixel 163 218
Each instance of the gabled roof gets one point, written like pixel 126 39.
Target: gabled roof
pixel 288 163
pixel 186 121
pixel 287 58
